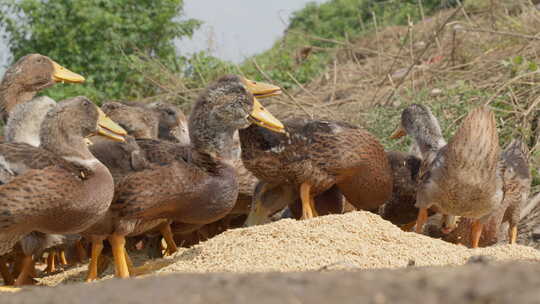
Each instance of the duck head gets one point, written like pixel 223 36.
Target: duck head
pixel 137 121
pixel 224 107
pixel 173 124
pixel 269 199
pixel 418 121
pixel 66 126
pixel 30 74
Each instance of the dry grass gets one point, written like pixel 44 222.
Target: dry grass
pixel 452 61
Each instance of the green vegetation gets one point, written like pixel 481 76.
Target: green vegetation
pixel 325 26
pixel 100 39
pixel 124 46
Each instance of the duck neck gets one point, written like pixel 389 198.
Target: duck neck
pixel 65 143
pixel 12 94
pixel 24 123
pixel 429 143
pixel 212 148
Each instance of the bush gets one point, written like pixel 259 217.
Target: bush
pixel 96 39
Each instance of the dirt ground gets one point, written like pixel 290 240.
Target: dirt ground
pixel 477 282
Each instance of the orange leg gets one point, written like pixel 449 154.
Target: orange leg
pixel 118 243
pixel 63 259
pixel 476 232
pixel 25 277
pixel 51 262
pixel 166 232
pixel 512 234
pixel 4 271
pixel 421 220
pixel 305 195
pixel 97 247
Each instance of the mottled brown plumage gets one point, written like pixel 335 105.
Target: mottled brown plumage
pixel 63 189
pixel 321 154
pixel 199 191
pixel 120 158
pixel 400 208
pixel 514 166
pixel 142 123
pixel 461 178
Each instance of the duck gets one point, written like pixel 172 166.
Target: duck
pixel 36 197
pixel 29 75
pixel 122 158
pixel 314 156
pixel 19 85
pixel 514 166
pixel 458 178
pixel 163 149
pixel 139 122
pixel 201 190
pixel 173 123
pixel 400 209
pixel 23 126
pixel 269 199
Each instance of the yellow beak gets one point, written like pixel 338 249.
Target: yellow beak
pixel 109 129
pixel 398 133
pixel 260 116
pixel 61 74
pixel 261 89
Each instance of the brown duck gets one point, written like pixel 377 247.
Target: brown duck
pixel 20 83
pixel 400 208
pixel 316 155
pixel 460 178
pixel 205 188
pixel 61 179
pixel 514 166
pixel 123 159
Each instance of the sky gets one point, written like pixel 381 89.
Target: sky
pixel 236 29
pixel 232 30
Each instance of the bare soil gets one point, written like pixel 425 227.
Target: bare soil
pixel 481 282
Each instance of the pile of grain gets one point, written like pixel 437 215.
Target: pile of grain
pixel 355 240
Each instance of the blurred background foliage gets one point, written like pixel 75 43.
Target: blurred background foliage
pixel 98 38
pixel 126 50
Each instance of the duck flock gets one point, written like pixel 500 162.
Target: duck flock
pixel 81 181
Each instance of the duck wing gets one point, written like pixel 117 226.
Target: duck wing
pixel 149 192
pixel 163 152
pixel 30 196
pixel 17 158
